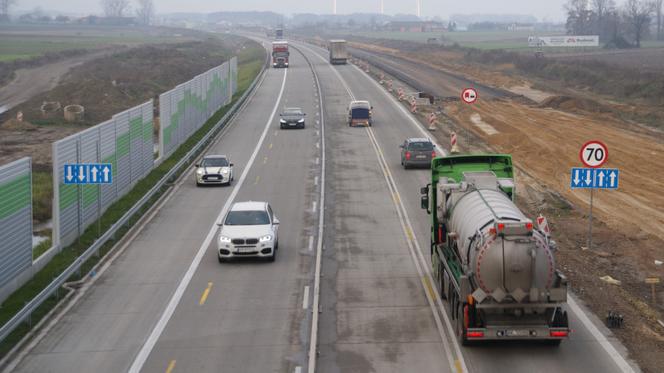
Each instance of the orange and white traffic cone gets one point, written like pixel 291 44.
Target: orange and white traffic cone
pixel 453 142
pixel 432 121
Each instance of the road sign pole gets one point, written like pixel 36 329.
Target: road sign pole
pixel 590 219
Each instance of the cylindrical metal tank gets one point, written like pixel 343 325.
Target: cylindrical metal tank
pixel 507 262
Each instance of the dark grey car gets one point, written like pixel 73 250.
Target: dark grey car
pixel 292 118
pixel 417 152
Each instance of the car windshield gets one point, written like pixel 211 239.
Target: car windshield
pixel 214 162
pixel 247 218
pixel 360 113
pixel 420 146
pixel 292 112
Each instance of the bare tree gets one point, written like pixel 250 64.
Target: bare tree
pixel 658 10
pixel 578 17
pixel 145 11
pixel 115 8
pixel 5 5
pixel 637 15
pixel 601 9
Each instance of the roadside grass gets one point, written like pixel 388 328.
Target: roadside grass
pixel 250 60
pixel 43 247
pixel 42 195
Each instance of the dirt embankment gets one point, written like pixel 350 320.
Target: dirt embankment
pixel 106 86
pixel 544 135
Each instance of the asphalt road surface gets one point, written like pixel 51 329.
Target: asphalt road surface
pixel 155 311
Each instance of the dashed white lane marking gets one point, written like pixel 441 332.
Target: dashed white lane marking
pixel 317 160
pixel 316 180
pixel 311 243
pixel 305 298
pixel 313 207
pixel 298 369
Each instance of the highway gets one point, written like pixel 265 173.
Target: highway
pixel 166 305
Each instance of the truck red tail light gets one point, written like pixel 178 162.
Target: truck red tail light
pixel 408 155
pixel 559 333
pixel 475 334
pixel 433 154
pixel 529 226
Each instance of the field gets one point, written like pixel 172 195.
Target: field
pixel 26 41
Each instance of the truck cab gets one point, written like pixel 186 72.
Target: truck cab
pixel 280 54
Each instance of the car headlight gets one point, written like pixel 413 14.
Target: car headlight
pixel 266 238
pixel 224 239
pixel 224 171
pixel 301 120
pixel 200 172
pixel 282 121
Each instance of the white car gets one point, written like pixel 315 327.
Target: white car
pixel 214 169
pixel 249 229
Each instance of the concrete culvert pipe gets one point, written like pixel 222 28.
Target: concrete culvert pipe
pixel 74 113
pixel 49 109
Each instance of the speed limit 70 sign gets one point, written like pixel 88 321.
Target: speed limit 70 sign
pixel 594 154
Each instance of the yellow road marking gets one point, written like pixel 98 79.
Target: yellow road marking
pixel 397 199
pixel 205 294
pixel 457 364
pixel 410 234
pixel 429 288
pixel 257 179
pixel 171 366
pixel 265 160
pixel 270 146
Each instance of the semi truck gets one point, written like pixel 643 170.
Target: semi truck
pixel 495 268
pixel 280 54
pixel 338 52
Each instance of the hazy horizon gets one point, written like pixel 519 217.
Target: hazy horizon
pixel 544 10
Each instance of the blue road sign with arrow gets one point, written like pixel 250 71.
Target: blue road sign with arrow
pixel 88 173
pixel 594 178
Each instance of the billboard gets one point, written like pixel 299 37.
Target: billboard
pixel 564 41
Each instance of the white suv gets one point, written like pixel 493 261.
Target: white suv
pixel 250 229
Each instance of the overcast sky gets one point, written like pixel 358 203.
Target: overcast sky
pixel 542 9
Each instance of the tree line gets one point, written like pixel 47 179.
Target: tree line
pixel 144 12
pixel 621 26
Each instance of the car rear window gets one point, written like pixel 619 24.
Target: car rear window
pixel 360 113
pixel 214 162
pixel 420 146
pixel 247 218
pixel 293 112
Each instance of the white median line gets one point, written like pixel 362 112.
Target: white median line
pixel 158 329
pixel 305 298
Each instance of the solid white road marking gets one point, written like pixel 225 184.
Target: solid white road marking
pixel 149 344
pixel 601 338
pixel 305 298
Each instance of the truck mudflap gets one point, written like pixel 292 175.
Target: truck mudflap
pixel 529 332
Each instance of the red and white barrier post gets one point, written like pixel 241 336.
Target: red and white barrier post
pixel 413 105
pixel 389 85
pixel 400 93
pixel 19 116
pixel 453 142
pixel 432 121
pixel 382 78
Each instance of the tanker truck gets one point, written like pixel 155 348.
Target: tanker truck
pixel 495 268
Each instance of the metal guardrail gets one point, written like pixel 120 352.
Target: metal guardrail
pixel 37 301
